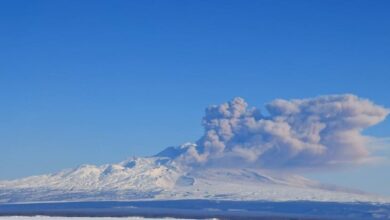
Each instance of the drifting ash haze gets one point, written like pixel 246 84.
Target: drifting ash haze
pixel 243 155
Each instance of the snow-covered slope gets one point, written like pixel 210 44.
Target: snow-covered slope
pixel 159 177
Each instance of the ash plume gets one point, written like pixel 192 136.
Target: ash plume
pixel 299 133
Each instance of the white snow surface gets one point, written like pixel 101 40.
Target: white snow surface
pixel 160 178
pixel 78 218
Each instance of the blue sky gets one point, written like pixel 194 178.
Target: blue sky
pixel 97 82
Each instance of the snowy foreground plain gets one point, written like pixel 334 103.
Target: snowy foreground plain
pixel 85 218
pixel 75 218
pixel 204 209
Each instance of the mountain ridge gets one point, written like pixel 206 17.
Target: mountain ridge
pixel 161 177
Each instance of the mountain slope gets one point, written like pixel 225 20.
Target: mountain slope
pixel 159 177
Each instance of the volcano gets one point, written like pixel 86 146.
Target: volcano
pixel 160 177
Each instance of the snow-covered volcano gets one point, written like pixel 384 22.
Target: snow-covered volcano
pixel 224 164
pixel 160 177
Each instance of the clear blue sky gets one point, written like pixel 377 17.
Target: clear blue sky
pixel 99 81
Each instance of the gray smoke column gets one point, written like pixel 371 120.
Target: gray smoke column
pixel 316 132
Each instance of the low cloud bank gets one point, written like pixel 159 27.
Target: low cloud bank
pixel 299 133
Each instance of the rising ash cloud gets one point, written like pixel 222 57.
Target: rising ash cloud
pixel 299 133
